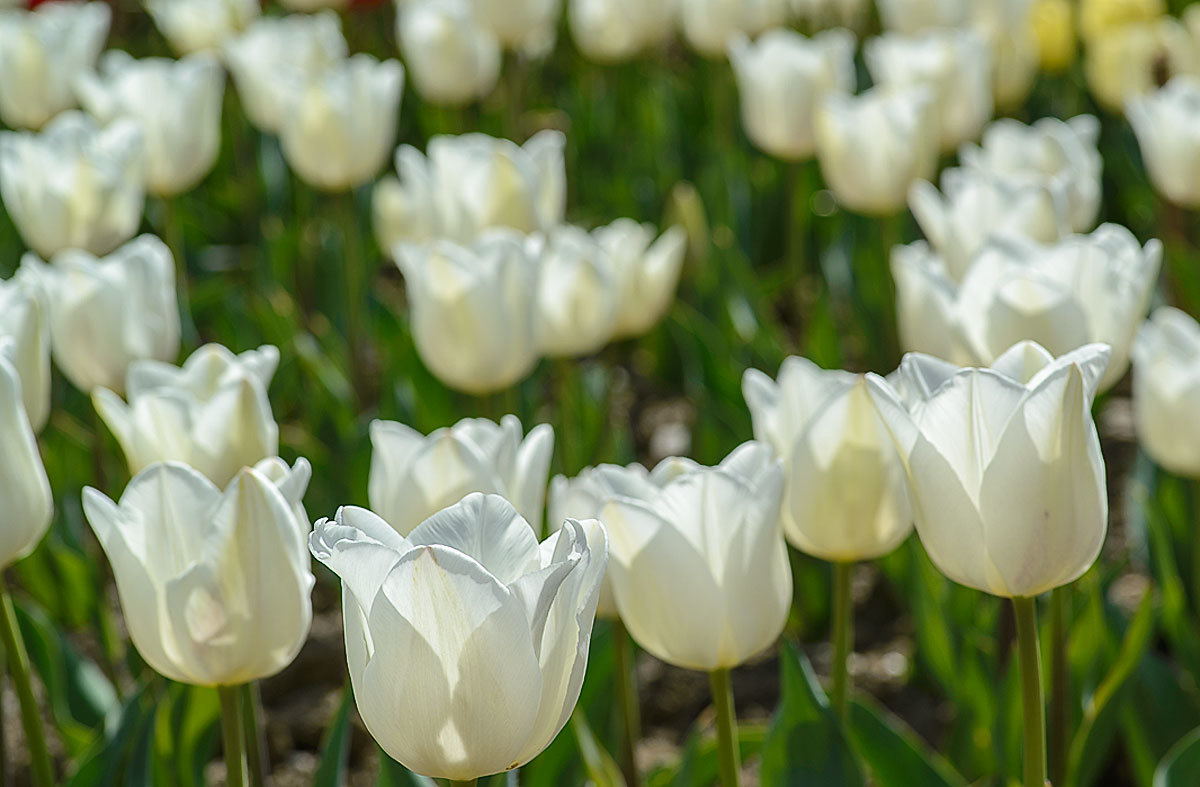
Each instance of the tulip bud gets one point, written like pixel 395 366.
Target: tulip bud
pixel 525 26
pixel 708 25
pixel 42 52
pixel 708 540
pixel 473 309
pixel 1166 390
pixel 211 414
pixel 476 631
pixel 872 147
pixel 261 59
pixel 646 271
pixel 1004 467
pixel 578 292
pixel 195 25
pixel 413 476
pixel 74 185
pixel 844 491
pixel 1165 123
pixel 25 321
pixel 1135 59
pixel 781 76
pixel 107 312
pixel 451 57
pixel 338 125
pixel 612 31
pixel 24 487
pixel 214 584
pixel 157 92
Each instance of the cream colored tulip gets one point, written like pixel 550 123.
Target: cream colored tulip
pixel 1097 17
pixel 926 305
pixel 646 270
pixel 1166 390
pixel 709 25
pixel 525 26
pixel 25 320
pixel 23 483
pixel 452 58
pixel 1054 30
pixel 1007 26
pixel 612 31
pixel 1167 125
pixel 578 292
pixel 196 25
pixel 910 17
pixel 1134 59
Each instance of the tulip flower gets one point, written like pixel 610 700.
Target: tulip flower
pixel 646 270
pixel 1167 125
pixel 338 125
pixel 708 25
pixel 1054 31
pixel 525 26
pixel 1166 390
pixel 195 25
pixel 1134 59
pixel 470 626
pixel 872 147
pixel 413 476
pixel 1097 17
pixel 451 57
pixel 25 321
pixel 473 309
pixel 910 17
pixel 157 92
pixel 274 49
pixel 42 52
pixel 781 77
pixel 955 63
pixel 578 292
pixel 926 305
pixel 211 414
pixel 107 312
pixel 1059 154
pixel 1007 26
pixel 612 31
pixel 74 185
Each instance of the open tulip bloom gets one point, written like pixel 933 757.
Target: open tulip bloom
pixel 466 641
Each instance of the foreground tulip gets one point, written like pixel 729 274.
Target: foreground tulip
pixel 414 476
pixel 646 271
pixel 338 125
pixel 578 292
pixel 872 147
pixel 612 31
pixel 42 52
pixel 1167 125
pixel 475 630
pixel 195 25
pixel 25 321
pixel 211 414
pixel 709 25
pixel 74 185
pixel 1166 390
pixel 107 312
pixel 451 57
pixel 157 92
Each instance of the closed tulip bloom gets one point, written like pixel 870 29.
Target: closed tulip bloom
pixel 1097 17
pixel 42 52
pixel 413 476
pixel 1061 154
pixel 709 25
pixel 275 49
pixel 211 414
pixel 214 583
pixel 781 76
pixel 646 270
pixel 1054 30
pixel 473 309
pixel 177 103
pixel 339 125
pixel 451 57
pixel 525 26
pixel 872 147
pixel 1167 125
pixel 25 320
pixel 74 185
pixel 700 571
pixel 107 312
pixel 1166 390
pixel 1135 59
pixel 24 487
pixel 578 292
pixel 955 63
pixel 195 25
pixel 611 31
pixel 467 641
pixel 844 493
pixel 1004 467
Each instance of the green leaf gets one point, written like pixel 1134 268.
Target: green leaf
pixel 335 749
pixel 893 753
pixel 1181 766
pixel 122 758
pixel 602 769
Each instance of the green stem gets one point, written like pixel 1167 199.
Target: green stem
pixel 1059 685
pixel 353 263
pixel 727 737
pixel 1025 611
pixel 627 701
pixel 22 678
pixel 233 736
pixel 843 635
pixel 257 763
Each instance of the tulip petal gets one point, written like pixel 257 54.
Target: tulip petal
pixel 527 491
pixel 486 528
pixel 361 549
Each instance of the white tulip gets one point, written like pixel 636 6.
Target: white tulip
pixel 872 147
pixel 473 309
pixel 177 103
pixel 475 630
pixel 41 54
pixel 781 77
pixel 413 476
pixel 451 57
pixel 700 571
pixel 24 487
pixel 926 305
pixel 107 312
pixel 708 25
pixel 25 320
pixel 338 125
pixel 275 49
pixel 195 25
pixel 1008 28
pixel 1004 467
pixel 612 31
pixel 1166 390
pixel 956 63
pixel 212 413
pixel 1133 59
pixel 646 270
pixel 1167 125
pixel 74 185
pixel 525 26
pixel 844 488
pixel 214 584
pixel 578 292
pixel 916 16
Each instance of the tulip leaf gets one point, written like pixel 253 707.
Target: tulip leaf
pixel 893 753
pixel 114 761
pixel 699 763
pixel 1181 766
pixel 185 736
pixel 335 749
pixel 602 769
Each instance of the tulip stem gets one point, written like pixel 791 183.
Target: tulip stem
pixel 727 737
pixel 256 752
pixel 22 678
pixel 233 736
pixel 627 700
pixel 1025 612
pixel 1059 680
pixel 843 635
pixel 354 264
